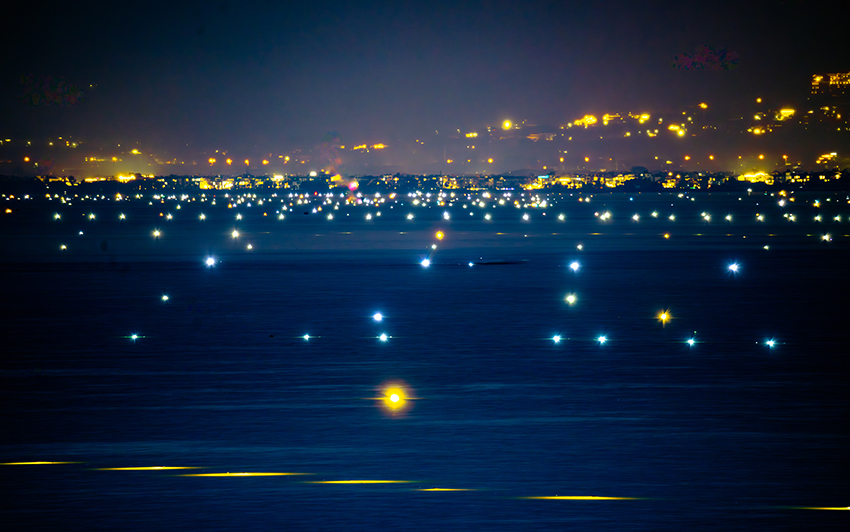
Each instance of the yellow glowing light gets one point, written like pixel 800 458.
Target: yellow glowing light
pixel 150 468
pixel 785 114
pixel 664 316
pixel 758 100
pixel 761 156
pixel 506 125
pixel 244 474
pixel 229 161
pixel 444 489
pixel 246 162
pixel 711 157
pixel 212 161
pixel 587 159
pixel 379 146
pixel 586 120
pixel 490 161
pixel 703 106
pixel 439 235
pixel 361 482
pixel 37 463
pixel 840 508
pixel 265 161
pixel 394 398
pixel 681 132
pixel 666 235
pixel 582 498
pixel 26 159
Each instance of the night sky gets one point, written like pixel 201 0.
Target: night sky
pixel 237 75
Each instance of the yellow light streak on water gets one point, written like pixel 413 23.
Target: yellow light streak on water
pixel 360 482
pixel 147 468
pixel 582 498
pixel 444 489
pixel 845 508
pixel 243 474
pixel 38 463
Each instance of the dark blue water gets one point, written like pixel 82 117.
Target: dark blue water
pixel 726 434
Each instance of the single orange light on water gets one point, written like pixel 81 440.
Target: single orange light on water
pixel 395 397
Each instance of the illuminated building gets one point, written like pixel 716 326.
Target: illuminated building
pixel 834 84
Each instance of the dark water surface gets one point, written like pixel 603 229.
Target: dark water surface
pixel 727 434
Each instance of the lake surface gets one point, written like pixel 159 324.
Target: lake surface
pixel 728 433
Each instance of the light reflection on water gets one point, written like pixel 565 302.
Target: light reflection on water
pixel 724 432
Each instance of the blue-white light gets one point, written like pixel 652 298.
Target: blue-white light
pixel 383 337
pixel 306 337
pixel 602 340
pixel 574 266
pixel 770 343
pixel 734 267
pixel 425 263
pixel 210 262
pixel 378 316
pixel 691 342
pixel 557 338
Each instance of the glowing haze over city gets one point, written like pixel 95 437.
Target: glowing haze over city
pixel 423 88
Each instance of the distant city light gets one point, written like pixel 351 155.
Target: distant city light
pixel 691 342
pixel 574 266
pixel 378 316
pixel 383 337
pixel 602 340
pixel 557 338
pixel 734 267
pixel 210 261
pixel 425 263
